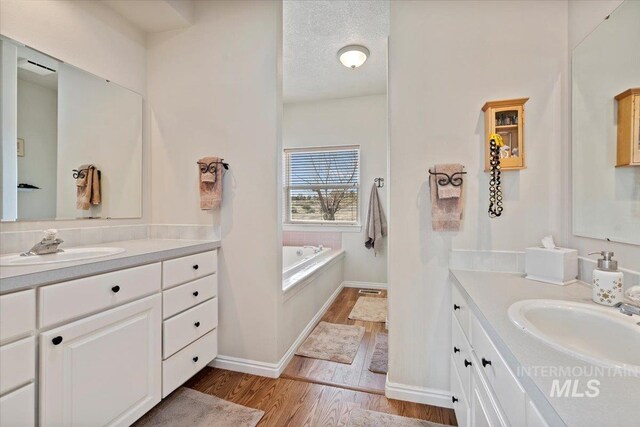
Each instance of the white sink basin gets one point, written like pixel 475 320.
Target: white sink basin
pixel 598 335
pixel 68 255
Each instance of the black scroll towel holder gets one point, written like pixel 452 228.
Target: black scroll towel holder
pixel 446 179
pixel 211 167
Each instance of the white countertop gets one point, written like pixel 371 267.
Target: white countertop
pixel 490 294
pixel 136 252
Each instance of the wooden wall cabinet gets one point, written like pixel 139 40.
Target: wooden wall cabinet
pixel 506 118
pixel 628 128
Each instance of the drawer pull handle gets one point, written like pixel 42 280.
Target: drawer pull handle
pixel 195 294
pixel 197 324
pixel 456 350
pixel 467 363
pixel 485 362
pixel 195 267
pixel 456 307
pixel 195 359
pixel 57 340
pixel 115 289
pixel 454 399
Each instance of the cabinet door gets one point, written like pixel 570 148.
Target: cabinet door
pixel 104 369
pixel 635 135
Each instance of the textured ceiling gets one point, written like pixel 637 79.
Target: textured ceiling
pixel 313 33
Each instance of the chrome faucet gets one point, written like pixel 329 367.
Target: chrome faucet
pixel 48 245
pixel 315 248
pixel 628 309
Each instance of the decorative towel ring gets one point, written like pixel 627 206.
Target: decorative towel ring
pixel 211 167
pixel 79 174
pixel 445 179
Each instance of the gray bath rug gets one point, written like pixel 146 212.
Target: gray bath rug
pixel 363 418
pixel 330 341
pixel 186 407
pixel 380 358
pixel 369 309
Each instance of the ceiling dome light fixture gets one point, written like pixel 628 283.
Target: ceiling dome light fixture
pixel 353 56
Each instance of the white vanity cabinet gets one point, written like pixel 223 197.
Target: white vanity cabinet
pixel 485 391
pixel 104 369
pixel 17 358
pixel 110 346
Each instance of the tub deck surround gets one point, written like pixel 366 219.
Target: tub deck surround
pixel 137 252
pixel 489 295
pixel 303 271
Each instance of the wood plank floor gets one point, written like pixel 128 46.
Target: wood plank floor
pixel 355 376
pixel 292 403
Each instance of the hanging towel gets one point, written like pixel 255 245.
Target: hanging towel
pixel 376 222
pixel 84 184
pixel 88 187
pixel 446 203
pixel 211 183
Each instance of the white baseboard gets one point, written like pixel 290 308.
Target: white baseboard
pixel 246 366
pixel 410 393
pixel 365 285
pixel 273 370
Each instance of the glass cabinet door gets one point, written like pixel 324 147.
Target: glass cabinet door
pixel 507 123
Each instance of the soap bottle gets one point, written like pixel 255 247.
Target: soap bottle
pixel 607 280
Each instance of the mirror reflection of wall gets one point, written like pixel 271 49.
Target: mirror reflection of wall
pixel 606 198
pixel 37 124
pixel 62 118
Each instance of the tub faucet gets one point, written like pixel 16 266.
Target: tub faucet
pixel 628 309
pixel 48 245
pixel 315 249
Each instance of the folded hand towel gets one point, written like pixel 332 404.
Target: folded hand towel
pixel 376 222
pixel 448 191
pixel 211 183
pixel 446 213
pixel 96 181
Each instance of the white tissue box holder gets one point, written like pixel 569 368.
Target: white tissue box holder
pixel 557 265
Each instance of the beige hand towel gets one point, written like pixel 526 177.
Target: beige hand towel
pixel 446 213
pixel 448 191
pixel 211 183
pixel 96 191
pixel 376 222
pixel 84 186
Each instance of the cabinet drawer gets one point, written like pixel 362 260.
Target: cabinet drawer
pixel 460 309
pixel 506 387
pixel 188 361
pixel 188 295
pixel 17 315
pixel 460 405
pixel 183 329
pixel 461 356
pixel 17 364
pixel 17 409
pixel 182 270
pixel 483 409
pixel 69 300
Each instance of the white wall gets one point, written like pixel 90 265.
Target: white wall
pixel 358 121
pixel 90 36
pixel 584 17
pixel 38 126
pixel 214 91
pixel 437 87
pixel 99 123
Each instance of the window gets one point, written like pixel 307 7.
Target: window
pixel 321 185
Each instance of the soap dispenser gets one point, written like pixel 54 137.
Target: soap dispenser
pixel 607 280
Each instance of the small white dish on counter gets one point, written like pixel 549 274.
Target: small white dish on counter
pixel 66 255
pixel 599 335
